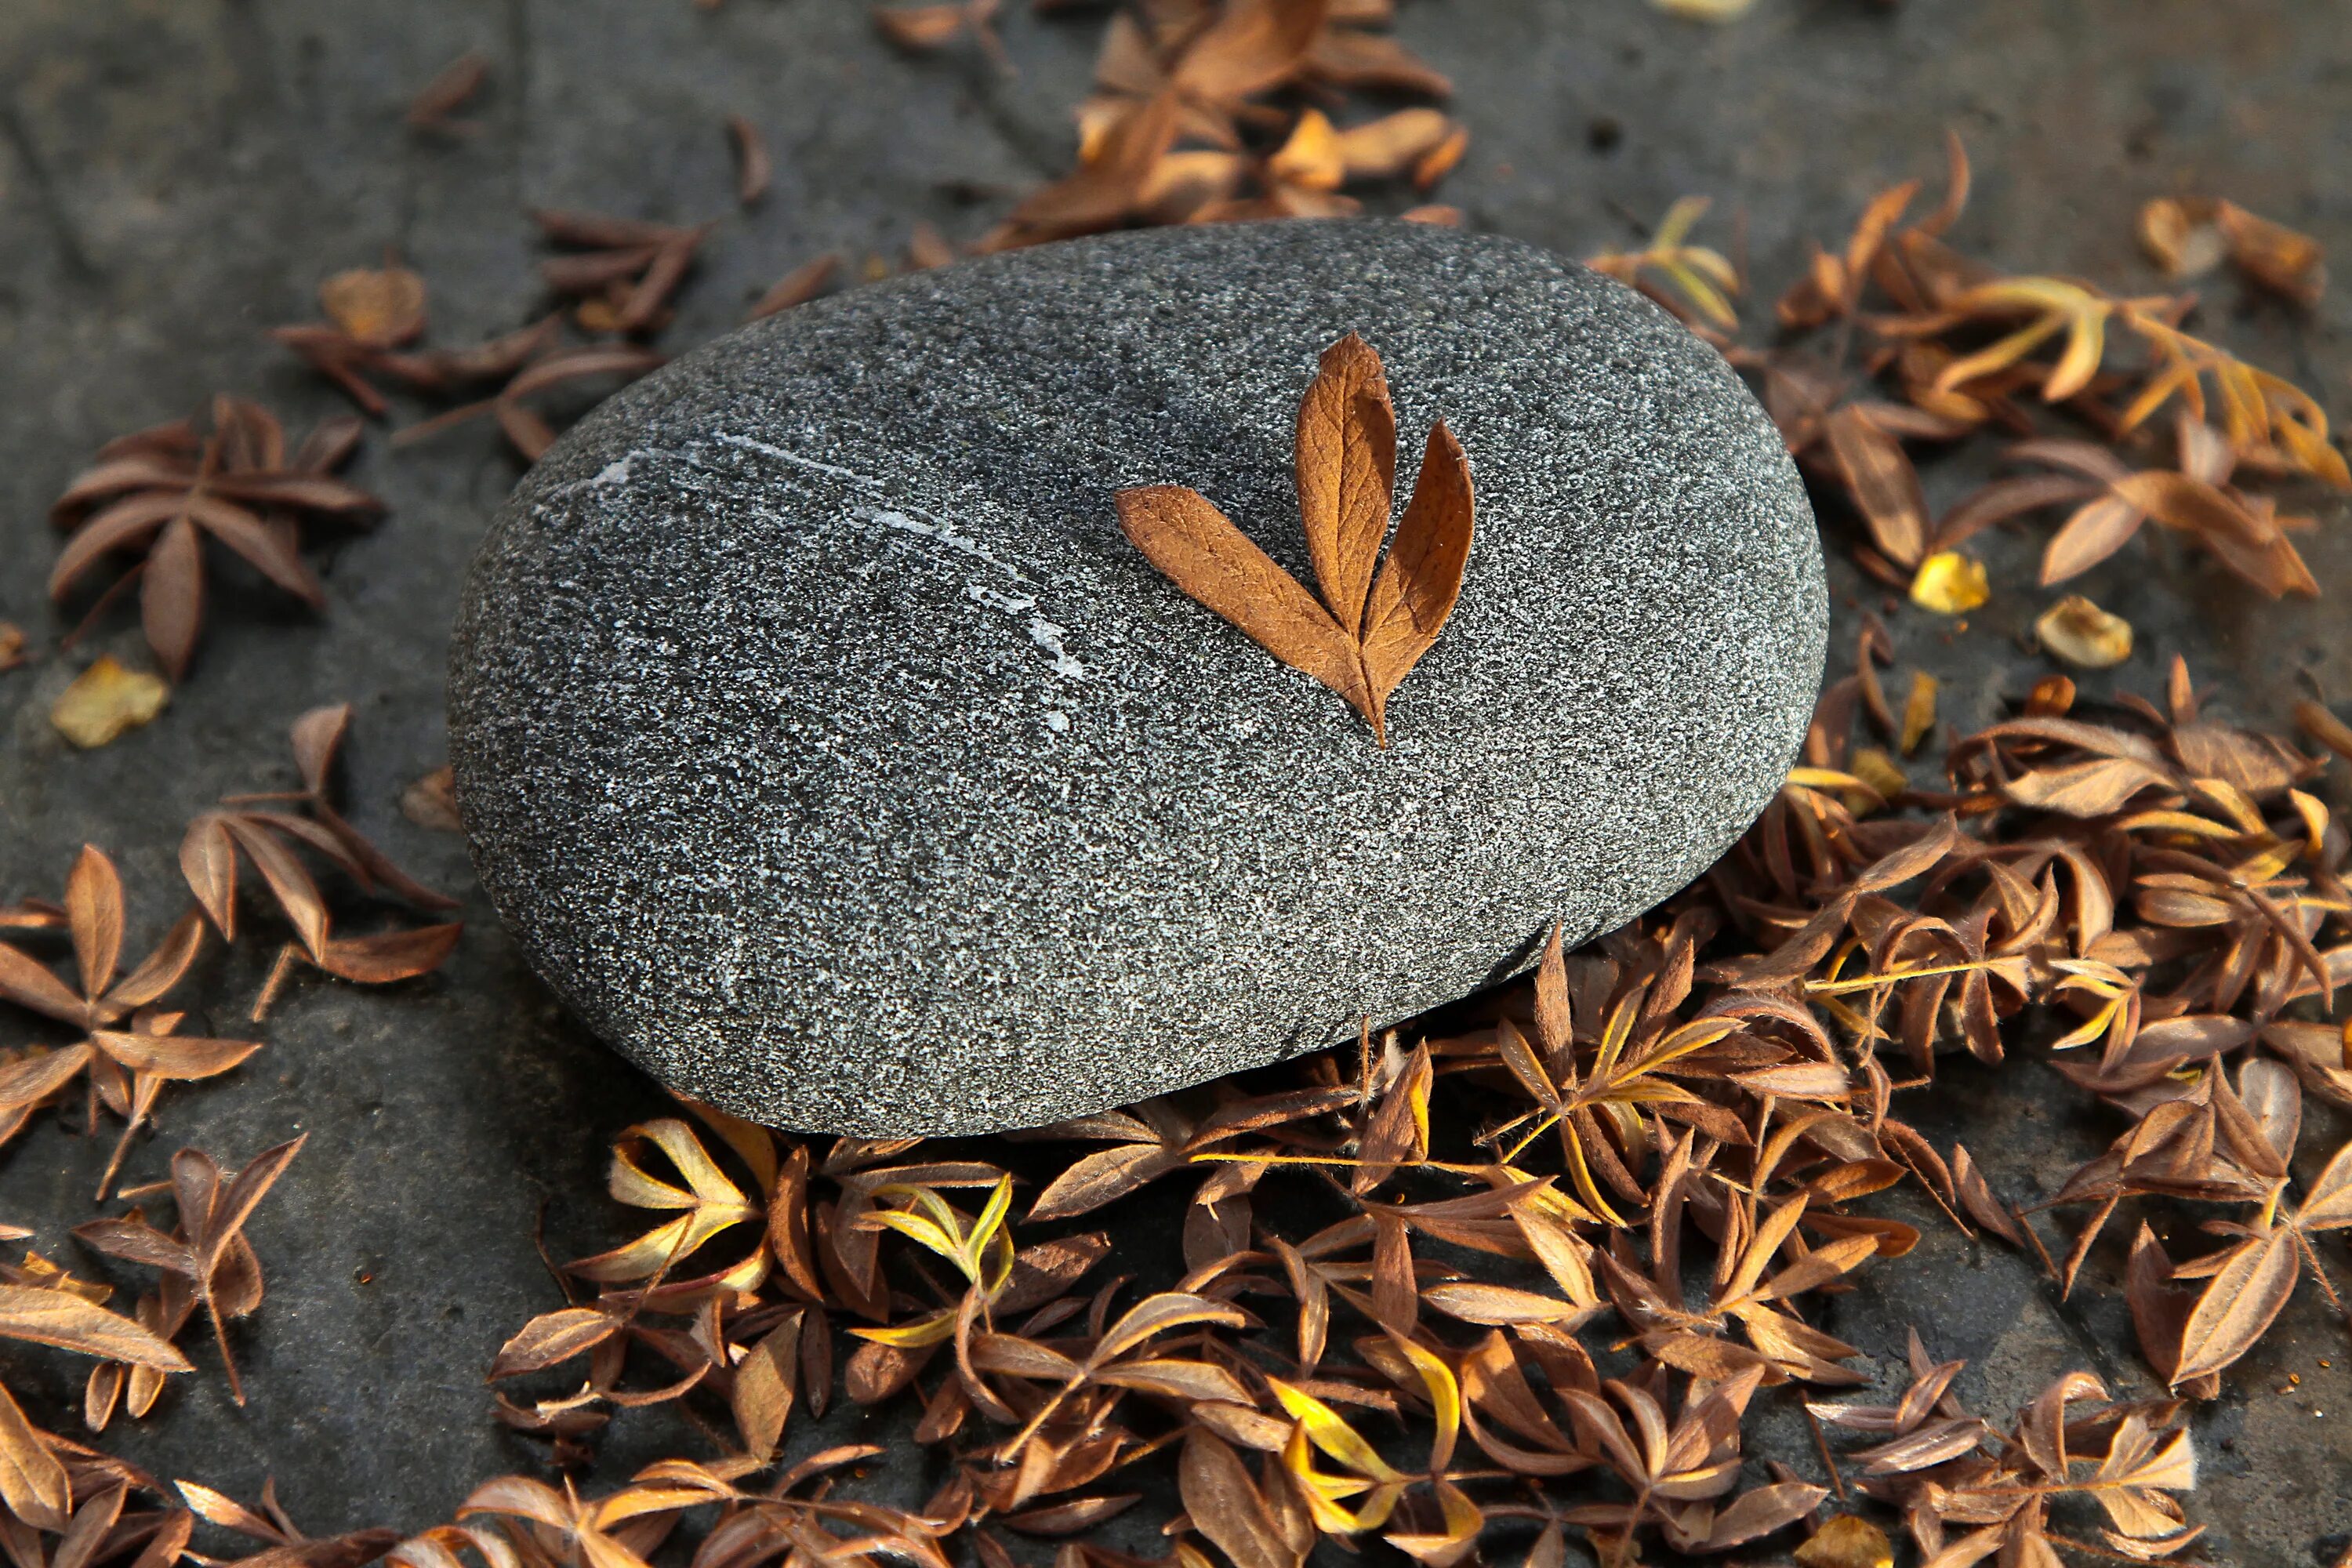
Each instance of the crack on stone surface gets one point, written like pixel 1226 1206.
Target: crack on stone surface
pixel 71 251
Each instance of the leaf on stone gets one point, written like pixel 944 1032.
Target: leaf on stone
pixel 1421 581
pixel 1201 551
pixel 1375 618
pixel 1345 464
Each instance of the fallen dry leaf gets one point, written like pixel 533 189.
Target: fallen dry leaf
pixel 1706 10
pixel 2181 236
pixel 432 802
pixel 2274 255
pixel 1366 632
pixel 106 703
pixel 1847 1542
pixel 1951 583
pixel 164 490
pixel 2081 634
pixel 1918 711
pixel 376 309
pixel 452 88
pixel 752 166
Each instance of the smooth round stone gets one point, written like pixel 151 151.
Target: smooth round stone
pixel 825 746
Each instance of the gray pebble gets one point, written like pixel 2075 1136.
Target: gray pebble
pixel 828 749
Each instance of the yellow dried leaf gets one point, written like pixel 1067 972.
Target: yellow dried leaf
pixel 1314 157
pixel 1441 159
pixel 1918 711
pixel 106 703
pixel 1847 1542
pixel 1388 146
pixel 2182 239
pixel 1706 10
pixel 2274 255
pixel 381 310
pixel 1951 583
pixel 2082 634
pixel 1877 769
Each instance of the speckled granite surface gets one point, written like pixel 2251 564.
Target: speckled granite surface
pixel 829 750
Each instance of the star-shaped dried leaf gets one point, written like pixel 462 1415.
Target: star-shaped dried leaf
pixel 209 1252
pixel 164 490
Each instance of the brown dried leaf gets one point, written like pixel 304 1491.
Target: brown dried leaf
pixel 753 167
pixel 389 956
pixel 1884 484
pixel 451 89
pixel 1847 1542
pixel 2244 1296
pixel 1370 634
pixel 1421 581
pixel 1346 462
pixel 1226 1506
pixel 2080 633
pixel 798 287
pixel 432 802
pixel 2274 255
pixel 32 1482
pixel 553 1337
pixel 1198 548
pixel 377 310
pixel 69 1321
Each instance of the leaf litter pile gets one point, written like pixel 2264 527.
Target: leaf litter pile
pixel 1569 1240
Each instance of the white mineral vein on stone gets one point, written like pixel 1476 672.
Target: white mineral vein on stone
pixel 926 525
pixel 1043 633
pixel 1048 636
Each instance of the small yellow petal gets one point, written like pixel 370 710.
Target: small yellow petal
pixel 1847 1542
pixel 1918 711
pixel 1877 769
pixel 1706 10
pixel 1949 583
pixel 2081 634
pixel 106 701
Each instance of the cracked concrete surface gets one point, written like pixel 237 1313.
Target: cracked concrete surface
pixel 176 177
